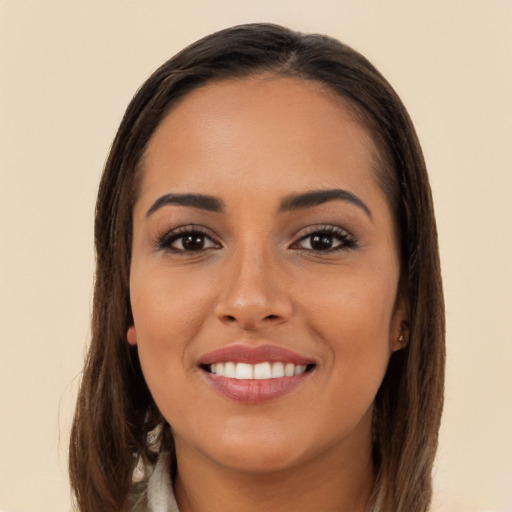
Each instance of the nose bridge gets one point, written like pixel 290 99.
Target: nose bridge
pixel 253 291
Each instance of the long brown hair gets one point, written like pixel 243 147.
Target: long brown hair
pixel 115 413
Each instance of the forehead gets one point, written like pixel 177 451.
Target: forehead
pixel 270 130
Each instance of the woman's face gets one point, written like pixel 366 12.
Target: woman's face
pixel 264 275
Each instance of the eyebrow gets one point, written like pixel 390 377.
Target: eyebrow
pixel 290 203
pixel 204 202
pixel 318 197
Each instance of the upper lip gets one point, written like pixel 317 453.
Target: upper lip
pixel 240 353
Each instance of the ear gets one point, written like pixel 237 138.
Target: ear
pixel 399 335
pixel 131 335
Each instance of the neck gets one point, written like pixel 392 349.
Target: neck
pixel 335 481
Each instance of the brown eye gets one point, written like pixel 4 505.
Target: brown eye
pixel 193 242
pixel 329 239
pixel 187 241
pixel 321 242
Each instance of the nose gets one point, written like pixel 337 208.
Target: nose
pixel 254 294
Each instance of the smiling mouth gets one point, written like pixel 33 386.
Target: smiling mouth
pixel 255 374
pixel 266 370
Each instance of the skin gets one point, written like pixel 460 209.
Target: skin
pixel 258 280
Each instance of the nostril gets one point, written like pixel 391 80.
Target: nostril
pixel 233 319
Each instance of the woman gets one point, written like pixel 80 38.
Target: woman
pixel 268 323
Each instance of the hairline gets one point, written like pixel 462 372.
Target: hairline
pixel 380 160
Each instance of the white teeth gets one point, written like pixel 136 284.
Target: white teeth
pixel 277 370
pixel 244 371
pixel 260 371
pixel 229 370
pixel 289 370
pixel 299 369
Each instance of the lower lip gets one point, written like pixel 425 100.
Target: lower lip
pixel 255 391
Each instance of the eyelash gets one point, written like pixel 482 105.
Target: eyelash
pixel 347 241
pixel 164 242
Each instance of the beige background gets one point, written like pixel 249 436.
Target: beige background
pixel 68 70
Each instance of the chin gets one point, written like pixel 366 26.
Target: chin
pixel 258 459
pixel 247 450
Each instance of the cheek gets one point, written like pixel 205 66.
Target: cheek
pixel 168 312
pixel 357 303
pixel 352 314
pixel 167 305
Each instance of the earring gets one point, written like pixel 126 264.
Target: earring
pixel 401 338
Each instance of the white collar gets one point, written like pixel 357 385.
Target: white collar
pixel 159 490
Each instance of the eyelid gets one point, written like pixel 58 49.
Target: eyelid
pixel 348 240
pixel 164 240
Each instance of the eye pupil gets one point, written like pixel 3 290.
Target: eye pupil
pixel 321 242
pixel 193 242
